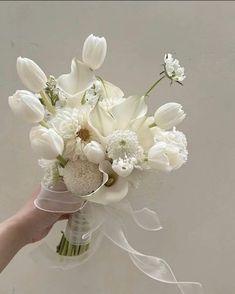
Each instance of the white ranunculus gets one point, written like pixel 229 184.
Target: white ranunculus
pixel 46 142
pixel 169 115
pixel 94 152
pixel 31 75
pixel 169 152
pixel 173 69
pixel 94 51
pixel 27 106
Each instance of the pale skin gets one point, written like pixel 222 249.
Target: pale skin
pixel 27 226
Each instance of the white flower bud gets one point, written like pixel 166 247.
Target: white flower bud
pixel 94 152
pixel 46 142
pixel 122 167
pixel 94 51
pixel 31 74
pixel 27 106
pixel 169 115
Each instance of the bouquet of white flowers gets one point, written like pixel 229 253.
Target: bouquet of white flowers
pixel 94 144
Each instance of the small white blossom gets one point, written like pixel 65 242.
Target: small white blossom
pixel 123 167
pixel 93 94
pixel 173 70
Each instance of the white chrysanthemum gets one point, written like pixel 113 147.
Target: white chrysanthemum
pixel 122 144
pixel 82 177
pixel 173 69
pixel 124 148
pixel 73 127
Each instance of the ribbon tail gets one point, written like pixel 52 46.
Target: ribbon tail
pixel 145 218
pixel 152 266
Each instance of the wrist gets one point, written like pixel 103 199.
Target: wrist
pixel 18 230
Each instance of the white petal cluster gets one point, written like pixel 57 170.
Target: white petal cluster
pixel 173 69
pixel 73 127
pixel 169 152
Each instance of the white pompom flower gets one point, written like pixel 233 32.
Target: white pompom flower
pixel 82 177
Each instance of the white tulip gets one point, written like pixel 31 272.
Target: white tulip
pixel 31 74
pixel 27 106
pixel 94 152
pixel 122 167
pixel 46 142
pixel 94 51
pixel 169 115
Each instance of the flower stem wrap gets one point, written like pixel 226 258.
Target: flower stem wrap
pixel 76 239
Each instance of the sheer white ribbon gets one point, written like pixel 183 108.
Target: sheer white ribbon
pixel 108 221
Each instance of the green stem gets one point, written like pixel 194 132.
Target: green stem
pixel 44 124
pixel 103 84
pixel 61 160
pixel 46 100
pixel 154 85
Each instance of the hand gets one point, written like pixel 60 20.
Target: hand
pixel 28 225
pixel 34 224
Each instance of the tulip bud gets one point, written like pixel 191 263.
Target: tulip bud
pixel 94 51
pixel 122 167
pixel 31 74
pixel 46 142
pixel 94 152
pixel 169 115
pixel 27 106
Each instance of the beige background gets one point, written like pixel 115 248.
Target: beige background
pixel 196 203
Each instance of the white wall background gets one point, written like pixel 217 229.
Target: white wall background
pixel 196 203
